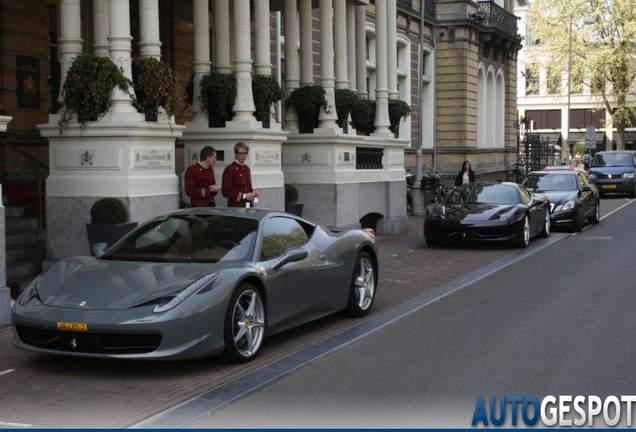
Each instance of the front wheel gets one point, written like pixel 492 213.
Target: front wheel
pixel 363 286
pixel 579 220
pixel 525 233
pixel 545 232
pixel 596 217
pixel 244 328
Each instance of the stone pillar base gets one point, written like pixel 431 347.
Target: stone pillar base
pixel 5 307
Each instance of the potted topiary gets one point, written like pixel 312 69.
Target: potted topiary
pixel 307 101
pixel 266 91
pixel 345 101
pixel 398 111
pixel 291 198
pixel 109 222
pixel 155 87
pixel 363 116
pixel 88 88
pixel 217 96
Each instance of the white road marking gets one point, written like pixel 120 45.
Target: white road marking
pixel 6 371
pixel 24 425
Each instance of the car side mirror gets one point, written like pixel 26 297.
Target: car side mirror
pixel 587 188
pixel 100 249
pixel 291 255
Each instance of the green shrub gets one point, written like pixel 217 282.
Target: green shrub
pixel 398 111
pixel 265 91
pixel 155 86
pixel 109 211
pixel 291 194
pixel 345 101
pixel 363 116
pixel 218 94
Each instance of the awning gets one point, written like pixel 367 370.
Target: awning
pixel 580 137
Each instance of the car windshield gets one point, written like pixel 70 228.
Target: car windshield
pixel 612 160
pixel 484 194
pixel 550 182
pixel 189 238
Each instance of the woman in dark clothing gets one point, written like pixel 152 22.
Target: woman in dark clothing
pixel 465 175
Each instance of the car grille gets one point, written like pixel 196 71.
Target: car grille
pixel 606 176
pixel 85 342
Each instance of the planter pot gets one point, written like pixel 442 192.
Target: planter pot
pixel 295 209
pixel 109 234
pixel 151 117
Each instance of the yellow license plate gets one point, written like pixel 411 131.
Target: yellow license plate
pixel 609 186
pixel 72 326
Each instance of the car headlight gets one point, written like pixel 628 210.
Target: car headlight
pixel 568 205
pixel 172 300
pixel 30 292
pixel 591 175
pixel 506 216
pixel 628 175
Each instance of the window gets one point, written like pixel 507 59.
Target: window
pixel 545 119
pixel 582 118
pixel 280 234
pixel 532 81
pixel 368 48
pixel 598 83
pixel 554 83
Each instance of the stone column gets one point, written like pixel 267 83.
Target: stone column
pixel 340 43
pixel 392 48
pixel 328 115
pixel 201 54
pixel 244 105
pixel 263 64
pixel 361 51
pixel 306 43
pixel 222 36
pixel 149 43
pixel 381 57
pixel 101 27
pixel 351 44
pixel 70 41
pixel 120 48
pixel 291 60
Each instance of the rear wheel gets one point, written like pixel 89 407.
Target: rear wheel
pixel 525 233
pixel 596 217
pixel 545 232
pixel 363 286
pixel 244 328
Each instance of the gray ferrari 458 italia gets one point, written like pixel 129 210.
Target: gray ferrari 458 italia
pixel 197 282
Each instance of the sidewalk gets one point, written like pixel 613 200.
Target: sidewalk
pixel 52 391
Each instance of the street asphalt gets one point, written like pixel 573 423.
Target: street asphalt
pixel 52 391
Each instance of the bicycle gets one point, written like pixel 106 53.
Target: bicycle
pixel 516 173
pixel 432 184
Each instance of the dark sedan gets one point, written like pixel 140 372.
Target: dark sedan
pixel 488 212
pixel 197 282
pixel 573 197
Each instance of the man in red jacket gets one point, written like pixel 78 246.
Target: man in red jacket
pixel 199 182
pixel 237 180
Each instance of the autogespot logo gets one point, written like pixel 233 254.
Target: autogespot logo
pixel 562 410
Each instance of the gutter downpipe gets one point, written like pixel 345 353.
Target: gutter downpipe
pixel 419 200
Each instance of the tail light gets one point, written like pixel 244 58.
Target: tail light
pixel 369 230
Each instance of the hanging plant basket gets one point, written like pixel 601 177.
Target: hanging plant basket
pixel 307 101
pixel 88 88
pixel 218 95
pixel 155 87
pixel 266 91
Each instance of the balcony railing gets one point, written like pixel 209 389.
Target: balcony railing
pixel 496 16
pixel 369 157
pixel 429 6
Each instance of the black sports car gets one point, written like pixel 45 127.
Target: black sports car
pixel 488 212
pixel 573 197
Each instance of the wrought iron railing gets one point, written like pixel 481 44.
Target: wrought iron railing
pixel 406 3
pixel 429 8
pixel 493 15
pixel 369 158
pixel 41 168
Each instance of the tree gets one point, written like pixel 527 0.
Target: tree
pixel 602 53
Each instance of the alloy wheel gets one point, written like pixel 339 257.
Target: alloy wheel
pixel 248 320
pixel 365 283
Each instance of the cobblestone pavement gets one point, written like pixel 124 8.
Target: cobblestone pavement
pixel 54 391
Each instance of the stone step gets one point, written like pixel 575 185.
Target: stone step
pixel 23 268
pixel 13 211
pixel 26 251
pixel 13 224
pixel 21 237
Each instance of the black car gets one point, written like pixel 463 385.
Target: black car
pixel 573 196
pixel 488 212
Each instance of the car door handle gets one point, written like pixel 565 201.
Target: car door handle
pixel 321 257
